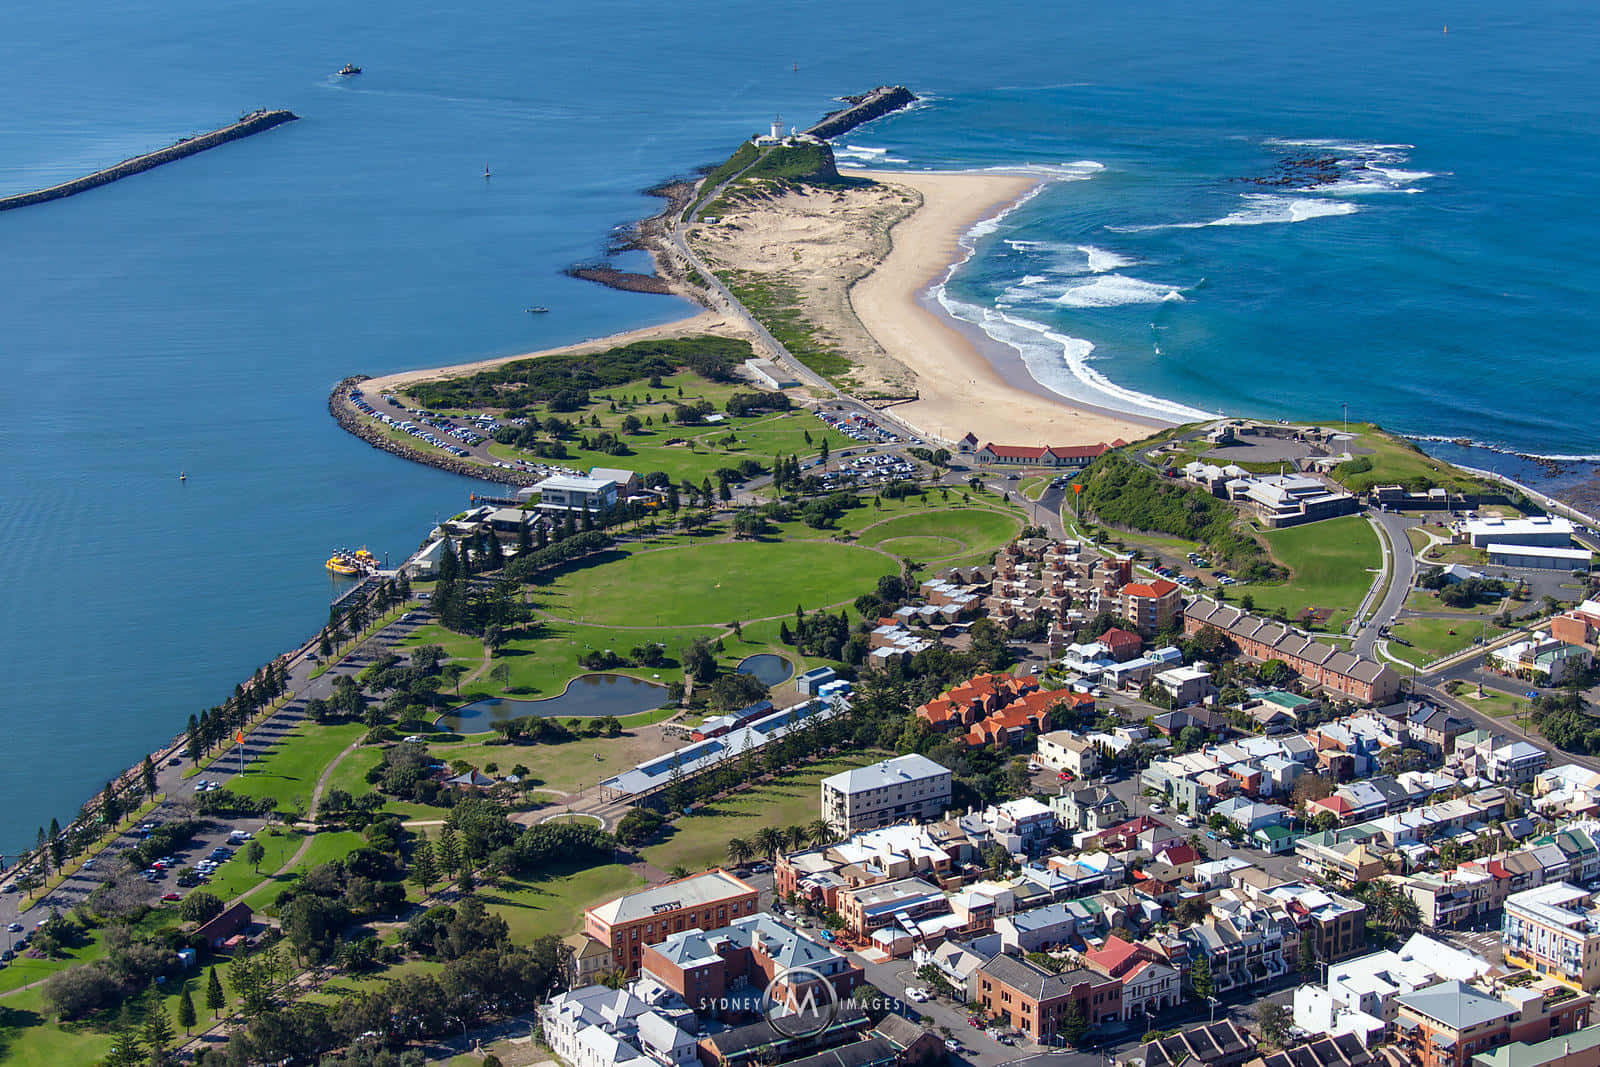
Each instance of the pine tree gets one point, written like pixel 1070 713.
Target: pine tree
pixel 215 1001
pixel 448 853
pixel 157 1027
pixel 423 871
pixel 127 1049
pixel 186 1015
pixel 148 773
pixel 191 741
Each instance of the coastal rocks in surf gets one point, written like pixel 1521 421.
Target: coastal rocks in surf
pixel 1302 172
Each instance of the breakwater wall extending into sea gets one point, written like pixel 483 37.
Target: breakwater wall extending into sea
pixel 372 433
pixel 863 109
pixel 255 122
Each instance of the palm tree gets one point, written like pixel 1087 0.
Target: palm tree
pixel 795 837
pixel 740 851
pixel 819 832
pixel 769 841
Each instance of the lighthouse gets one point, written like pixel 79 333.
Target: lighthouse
pixel 777 127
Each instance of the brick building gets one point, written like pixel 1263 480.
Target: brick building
pixel 629 923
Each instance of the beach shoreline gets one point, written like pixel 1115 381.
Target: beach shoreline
pixel 967 381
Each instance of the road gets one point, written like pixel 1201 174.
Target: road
pixel 1401 564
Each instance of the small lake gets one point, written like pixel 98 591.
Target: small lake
pixel 587 696
pixel 767 668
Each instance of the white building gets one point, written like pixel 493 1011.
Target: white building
pixel 567 492
pixel 599 1027
pixel 1360 994
pixel 1545 531
pixel 907 787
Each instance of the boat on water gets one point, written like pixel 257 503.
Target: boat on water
pixel 349 69
pixel 536 310
pixel 359 562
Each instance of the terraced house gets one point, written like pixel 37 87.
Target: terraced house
pixel 1344 673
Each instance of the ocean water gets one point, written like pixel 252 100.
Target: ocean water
pixel 194 318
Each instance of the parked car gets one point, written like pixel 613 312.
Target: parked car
pixel 952 1045
pixel 171 898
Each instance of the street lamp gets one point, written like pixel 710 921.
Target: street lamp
pixel 1213 1002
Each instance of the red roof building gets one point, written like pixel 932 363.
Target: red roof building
pixel 1123 644
pixel 1151 606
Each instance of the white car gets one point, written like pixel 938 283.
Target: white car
pixel 917 995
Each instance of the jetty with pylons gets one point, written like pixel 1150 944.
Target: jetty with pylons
pixel 254 122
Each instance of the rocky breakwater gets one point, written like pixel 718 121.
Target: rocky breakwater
pixel 863 109
pixel 255 122
pixel 372 433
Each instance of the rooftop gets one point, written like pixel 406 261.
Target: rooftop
pixel 688 892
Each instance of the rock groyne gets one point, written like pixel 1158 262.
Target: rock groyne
pixel 370 432
pixel 255 122
pixel 863 109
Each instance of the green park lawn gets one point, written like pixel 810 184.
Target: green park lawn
pixel 700 840
pixel 565 767
pixel 1432 639
pixel 714 583
pixel 1332 565
pixel 236 876
pixel 1493 702
pixel 950 531
pixel 1398 461
pixel 555 904
pixel 326 846
pixel 288 772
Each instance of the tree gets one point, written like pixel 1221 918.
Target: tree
pixel 186 1015
pixel 819 832
pixel 127 1049
pixel 423 871
pixel 500 673
pixel 1200 977
pixel 1273 1021
pixel 215 1001
pixel 1073 1025
pixel 740 851
pixel 157 1027
pixel 148 776
pixel 200 906
pixel 769 841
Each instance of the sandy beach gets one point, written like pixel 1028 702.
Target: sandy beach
pixel 960 390
pixel 862 261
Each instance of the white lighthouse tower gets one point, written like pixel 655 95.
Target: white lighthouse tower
pixel 777 127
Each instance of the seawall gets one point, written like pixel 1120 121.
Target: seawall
pixel 255 122
pixel 364 428
pixel 863 109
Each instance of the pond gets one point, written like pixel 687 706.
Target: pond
pixel 587 696
pixel 767 668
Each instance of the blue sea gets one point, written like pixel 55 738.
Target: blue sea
pixel 1253 207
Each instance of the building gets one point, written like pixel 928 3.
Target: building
pixel 566 492
pixel 1151 606
pixel 1342 1051
pixel 628 482
pixel 1186 685
pixel 1580 1049
pixel 1062 750
pixel 1088 808
pixel 1544 559
pixel 1024 995
pixel 1446 1025
pixel 1553 930
pixel 1041 455
pixel 725 971
pixel 907 787
pixel 633 921
pixel 1579 626
pixel 892 908
pixel 1220 1044
pixel 217 930
pixel 1543 531
pixel 770 374
pixel 1352 676
pixel 1149 984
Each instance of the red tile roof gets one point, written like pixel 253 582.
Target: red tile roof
pixel 1158 588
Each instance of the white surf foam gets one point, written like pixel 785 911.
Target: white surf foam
pixel 866 150
pixel 1061 364
pixel 1101 260
pixel 1115 290
pixel 1261 209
